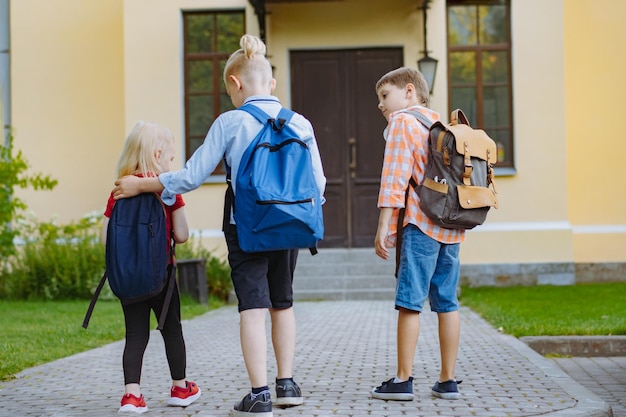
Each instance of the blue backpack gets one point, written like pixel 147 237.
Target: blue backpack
pixel 277 204
pixel 138 251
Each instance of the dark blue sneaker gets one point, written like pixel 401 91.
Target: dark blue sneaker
pixel 288 393
pixel 447 390
pixel 259 406
pixel 389 390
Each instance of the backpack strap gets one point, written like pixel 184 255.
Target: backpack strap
pixel 171 280
pixel 458 117
pixel 171 283
pixel 229 202
pixel 283 117
pixel 422 118
pixel 92 304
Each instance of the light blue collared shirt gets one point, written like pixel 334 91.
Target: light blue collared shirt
pixel 229 136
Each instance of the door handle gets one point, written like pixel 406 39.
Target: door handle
pixel 352 164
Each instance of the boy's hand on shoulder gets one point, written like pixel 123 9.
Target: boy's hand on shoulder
pixel 125 187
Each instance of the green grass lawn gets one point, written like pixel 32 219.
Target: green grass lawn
pixel 36 332
pixel 584 309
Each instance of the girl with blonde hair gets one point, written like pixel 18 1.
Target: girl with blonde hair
pixel 149 151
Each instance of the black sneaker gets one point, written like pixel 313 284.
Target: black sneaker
pixel 288 393
pixel 389 390
pixel 260 406
pixel 447 390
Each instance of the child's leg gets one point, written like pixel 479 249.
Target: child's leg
pixel 137 321
pixel 252 276
pixel 183 392
pixel 418 260
pixel 248 273
pixel 254 345
pixel 408 334
pixel 172 334
pixel 449 334
pixel 284 340
pixel 281 267
pixel 444 301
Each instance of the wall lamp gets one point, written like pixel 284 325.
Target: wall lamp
pixel 427 65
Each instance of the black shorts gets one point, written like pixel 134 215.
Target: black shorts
pixel 261 279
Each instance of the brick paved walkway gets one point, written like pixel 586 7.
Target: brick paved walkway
pixel 605 377
pixel 344 349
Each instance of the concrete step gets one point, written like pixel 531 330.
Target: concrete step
pixel 344 274
pixel 580 346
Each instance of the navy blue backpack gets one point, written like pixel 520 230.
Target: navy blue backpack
pixel 138 250
pixel 277 203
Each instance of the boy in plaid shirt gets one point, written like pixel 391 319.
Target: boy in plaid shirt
pixel 429 255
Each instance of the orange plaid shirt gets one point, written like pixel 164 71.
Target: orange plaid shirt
pixel 406 154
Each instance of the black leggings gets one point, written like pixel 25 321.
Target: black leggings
pixel 137 320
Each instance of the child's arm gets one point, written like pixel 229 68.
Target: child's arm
pixel 382 232
pixel 103 234
pixel 131 185
pixel 180 226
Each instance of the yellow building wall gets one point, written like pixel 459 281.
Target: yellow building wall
pixel 84 72
pixel 532 224
pixel 595 91
pixel 67 100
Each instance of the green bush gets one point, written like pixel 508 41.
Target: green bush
pixel 55 262
pixel 13 175
pixel 217 270
pixel 66 262
pixel 62 262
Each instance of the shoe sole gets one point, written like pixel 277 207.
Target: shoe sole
pixel 447 395
pixel 288 401
pixel 237 413
pixel 128 408
pixel 184 402
pixel 393 396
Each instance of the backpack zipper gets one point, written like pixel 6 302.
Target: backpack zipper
pixel 266 202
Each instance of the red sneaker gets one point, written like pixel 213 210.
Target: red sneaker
pixel 132 404
pixel 182 397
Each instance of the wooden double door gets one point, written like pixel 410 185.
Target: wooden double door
pixel 335 90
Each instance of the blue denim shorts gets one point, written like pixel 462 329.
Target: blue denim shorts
pixel 428 269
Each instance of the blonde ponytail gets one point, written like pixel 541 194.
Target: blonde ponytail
pixel 249 63
pixel 251 45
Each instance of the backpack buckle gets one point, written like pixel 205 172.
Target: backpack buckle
pixel 278 125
